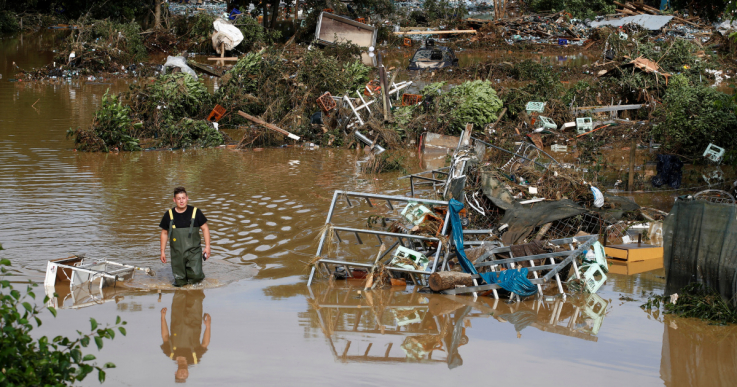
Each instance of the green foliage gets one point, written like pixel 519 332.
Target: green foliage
pixel 244 74
pixel 577 8
pixel 692 116
pixel 196 28
pixel 403 115
pixel 179 95
pixel 111 128
pixel 698 301
pixel 355 75
pixel 439 10
pixel 188 133
pixel 29 361
pixel 711 10
pixel 254 34
pixel 123 38
pixel 473 102
pixel 432 90
pixel 8 22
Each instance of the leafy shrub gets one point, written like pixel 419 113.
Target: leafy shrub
pixel 125 37
pixel 473 102
pixel 8 22
pixel 577 8
pixel 254 34
pixel 111 128
pixel 179 95
pixel 188 133
pixel 692 116
pixel 29 361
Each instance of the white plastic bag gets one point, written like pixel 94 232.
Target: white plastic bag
pixel 226 34
pixel 598 197
pixel 178 61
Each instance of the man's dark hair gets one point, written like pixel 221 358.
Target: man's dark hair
pixel 179 190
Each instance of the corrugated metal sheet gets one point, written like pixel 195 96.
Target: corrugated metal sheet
pixel 651 22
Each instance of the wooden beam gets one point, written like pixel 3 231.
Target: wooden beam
pixel 436 32
pixel 267 125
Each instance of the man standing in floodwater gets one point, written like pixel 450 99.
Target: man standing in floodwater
pixel 181 226
pixel 183 344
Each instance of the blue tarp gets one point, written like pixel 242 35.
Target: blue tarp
pixel 511 280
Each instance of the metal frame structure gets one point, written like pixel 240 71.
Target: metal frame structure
pixel 79 270
pixel 324 262
pixel 483 261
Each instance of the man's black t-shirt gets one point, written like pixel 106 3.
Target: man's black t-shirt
pixel 182 220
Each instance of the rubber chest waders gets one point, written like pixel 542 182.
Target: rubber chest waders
pixel 186 252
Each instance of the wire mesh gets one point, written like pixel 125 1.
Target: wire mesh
pixel 715 196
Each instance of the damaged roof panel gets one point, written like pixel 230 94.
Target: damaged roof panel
pixel 651 22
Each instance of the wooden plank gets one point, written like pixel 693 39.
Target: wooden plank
pixel 229 58
pixel 267 125
pixel 436 32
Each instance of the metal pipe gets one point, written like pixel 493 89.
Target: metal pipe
pixel 378 148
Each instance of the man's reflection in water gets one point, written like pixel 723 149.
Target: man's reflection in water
pixel 183 344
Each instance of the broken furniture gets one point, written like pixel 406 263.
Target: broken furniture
pixel 714 153
pixel 413 241
pixel 79 271
pixel 633 252
pixel 337 29
pixel 584 124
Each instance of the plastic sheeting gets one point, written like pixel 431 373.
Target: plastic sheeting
pixel 178 61
pixel 700 245
pixel 650 22
pixel 511 280
pixel 226 34
pixel 669 171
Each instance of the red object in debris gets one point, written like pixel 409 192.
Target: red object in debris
pixel 330 10
pixel 372 88
pixel 361 20
pixel 216 114
pixel 407 42
pixel 326 102
pixel 411 99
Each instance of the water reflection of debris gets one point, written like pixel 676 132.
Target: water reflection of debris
pixel 397 325
pixel 64 297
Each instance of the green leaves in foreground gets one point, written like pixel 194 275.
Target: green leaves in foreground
pixel 26 361
pixel 696 300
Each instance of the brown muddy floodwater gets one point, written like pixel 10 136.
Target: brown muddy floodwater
pixel 255 321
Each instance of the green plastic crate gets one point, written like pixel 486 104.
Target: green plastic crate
pixel 536 107
pixel 584 125
pixel 545 122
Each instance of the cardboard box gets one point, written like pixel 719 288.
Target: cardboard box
pixel 617 266
pixel 634 252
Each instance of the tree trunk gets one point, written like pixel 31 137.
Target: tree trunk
pixel 444 280
pixel 157 14
pixel 274 13
pixel 265 12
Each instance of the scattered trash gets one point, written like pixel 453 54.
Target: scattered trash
pixel 180 63
pixel 714 153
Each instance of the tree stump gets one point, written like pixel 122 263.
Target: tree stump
pixel 449 279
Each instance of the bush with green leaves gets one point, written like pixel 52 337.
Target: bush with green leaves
pixel 8 22
pixel 577 8
pixel 474 102
pixel 179 95
pixel 110 129
pixel 189 133
pixel 124 37
pixel 44 361
pixel 254 34
pixel 692 116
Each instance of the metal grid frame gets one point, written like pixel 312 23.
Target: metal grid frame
pixel 324 262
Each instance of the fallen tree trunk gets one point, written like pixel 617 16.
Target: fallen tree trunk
pixel 445 280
